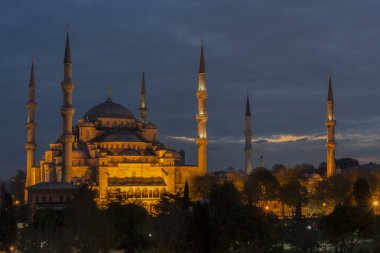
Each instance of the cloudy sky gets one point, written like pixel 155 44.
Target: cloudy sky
pixel 280 51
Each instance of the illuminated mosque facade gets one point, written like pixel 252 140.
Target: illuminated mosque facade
pixel 109 149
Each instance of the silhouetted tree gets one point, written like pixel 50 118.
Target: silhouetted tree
pixel 362 193
pixel 346 226
pixel 294 195
pixel 7 220
pixel 17 186
pixel 339 189
pixel 261 185
pixel 277 167
pixel 345 162
pixel 129 220
pixel 201 229
pixel 186 196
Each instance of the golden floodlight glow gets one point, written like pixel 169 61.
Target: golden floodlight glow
pixel 375 203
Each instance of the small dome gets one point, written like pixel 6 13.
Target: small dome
pixel 109 109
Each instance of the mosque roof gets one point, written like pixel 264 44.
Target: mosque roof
pixel 53 186
pixel 109 109
pixel 122 135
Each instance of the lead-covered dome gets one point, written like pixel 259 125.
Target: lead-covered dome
pixel 109 109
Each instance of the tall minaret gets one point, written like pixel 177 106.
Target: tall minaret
pixel 248 138
pixel 330 125
pixel 202 116
pixel 31 131
pixel 67 112
pixel 143 108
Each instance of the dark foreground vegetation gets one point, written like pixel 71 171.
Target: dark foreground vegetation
pixel 210 215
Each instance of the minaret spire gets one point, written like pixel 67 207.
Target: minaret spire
pixel 67 112
pixel 143 108
pixel 31 131
pixel 202 116
pixel 330 125
pixel 248 138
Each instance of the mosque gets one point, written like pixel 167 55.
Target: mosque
pixel 108 149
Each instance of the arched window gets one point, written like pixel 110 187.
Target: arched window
pixel 150 194
pixel 145 193
pixel 130 193
pixel 156 193
pixel 138 193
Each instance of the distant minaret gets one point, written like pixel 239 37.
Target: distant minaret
pixel 248 138
pixel 67 112
pixel 31 131
pixel 330 125
pixel 143 108
pixel 202 116
pixel 261 161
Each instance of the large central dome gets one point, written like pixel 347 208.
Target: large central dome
pixel 109 109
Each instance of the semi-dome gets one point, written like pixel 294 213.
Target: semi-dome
pixel 109 109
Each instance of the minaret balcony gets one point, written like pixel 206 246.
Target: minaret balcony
pixel 67 111
pixel 30 146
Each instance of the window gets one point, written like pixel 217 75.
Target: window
pixel 156 193
pixel 130 193
pixel 145 193
pixel 138 193
pixel 150 194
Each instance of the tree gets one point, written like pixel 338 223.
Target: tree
pixel 186 196
pixel 172 225
pixel 7 220
pixel 17 186
pixel 88 229
pixel 129 220
pixel 201 229
pixel 294 195
pixel 346 226
pixel 261 185
pixel 339 189
pixel 277 167
pixel 45 233
pixel 200 186
pixel 285 176
pixel 362 193
pixel 344 163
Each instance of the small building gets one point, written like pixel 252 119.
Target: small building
pixel 55 195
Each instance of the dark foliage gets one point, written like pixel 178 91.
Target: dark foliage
pixel 7 220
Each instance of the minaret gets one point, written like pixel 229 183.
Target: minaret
pixel 31 131
pixel 248 138
pixel 67 112
pixel 330 125
pixel 202 116
pixel 143 109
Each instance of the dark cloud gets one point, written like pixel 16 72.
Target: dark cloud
pixel 281 51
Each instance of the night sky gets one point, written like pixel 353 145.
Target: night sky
pixel 280 51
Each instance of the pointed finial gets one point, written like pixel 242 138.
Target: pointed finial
pixel 109 94
pixel 330 96
pixel 143 90
pixel 67 49
pixel 32 81
pixel 247 107
pixel 202 68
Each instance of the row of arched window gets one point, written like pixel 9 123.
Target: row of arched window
pixel 138 193
pixel 50 198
